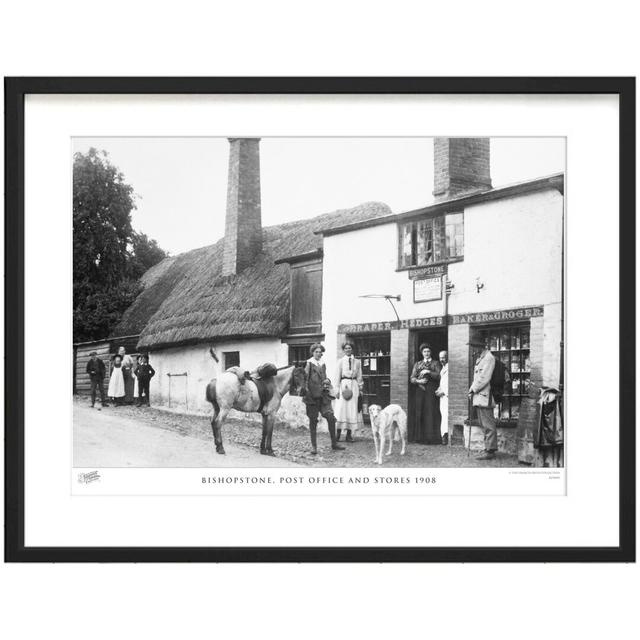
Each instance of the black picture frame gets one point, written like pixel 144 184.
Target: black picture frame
pixel 15 91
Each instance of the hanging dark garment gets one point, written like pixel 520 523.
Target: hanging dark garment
pixel 550 427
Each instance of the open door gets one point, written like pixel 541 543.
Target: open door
pixel 438 341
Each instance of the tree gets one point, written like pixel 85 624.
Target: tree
pixel 145 254
pixel 109 257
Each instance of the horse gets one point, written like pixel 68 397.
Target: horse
pixel 228 392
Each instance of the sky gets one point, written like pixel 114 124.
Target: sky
pixel 181 183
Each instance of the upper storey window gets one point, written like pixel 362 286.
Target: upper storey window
pixel 432 240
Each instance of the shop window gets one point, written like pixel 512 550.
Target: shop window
pixel 432 240
pixel 231 359
pixel 374 352
pixel 511 345
pixel 299 354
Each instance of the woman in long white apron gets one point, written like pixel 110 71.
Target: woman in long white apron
pixel 349 381
pixel 116 382
pixel 136 390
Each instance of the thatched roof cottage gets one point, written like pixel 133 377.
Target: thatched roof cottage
pixel 234 295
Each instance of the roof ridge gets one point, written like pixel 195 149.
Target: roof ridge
pixel 290 223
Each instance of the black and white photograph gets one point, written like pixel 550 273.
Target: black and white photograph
pixel 365 320
pixel 319 320
pixel 336 302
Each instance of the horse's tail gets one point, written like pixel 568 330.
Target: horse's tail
pixel 211 397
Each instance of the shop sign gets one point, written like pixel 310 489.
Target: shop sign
pixel 376 327
pixel 425 272
pixel 422 323
pixel 484 317
pixel 505 315
pixel 367 327
pixel 427 289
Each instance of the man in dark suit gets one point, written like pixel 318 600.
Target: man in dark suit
pixel 96 371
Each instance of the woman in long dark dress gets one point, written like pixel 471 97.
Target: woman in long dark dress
pixel 127 372
pixel 426 378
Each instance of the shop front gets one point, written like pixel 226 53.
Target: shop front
pixel 388 350
pixel 487 264
pixel 520 340
pixel 517 337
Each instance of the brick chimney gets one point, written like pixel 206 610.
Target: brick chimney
pixel 461 166
pixel 243 223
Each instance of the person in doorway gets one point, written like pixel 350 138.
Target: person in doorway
pixel 443 393
pixel 350 383
pixel 426 378
pixel 315 398
pixel 127 373
pixel 96 371
pixel 144 372
pixel 136 391
pixel 480 395
pixel 116 381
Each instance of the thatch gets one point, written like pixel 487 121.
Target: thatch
pixel 187 301
pixel 158 282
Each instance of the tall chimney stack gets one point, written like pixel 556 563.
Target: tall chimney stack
pixel 243 223
pixel 461 166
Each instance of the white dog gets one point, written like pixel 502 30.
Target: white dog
pixel 382 423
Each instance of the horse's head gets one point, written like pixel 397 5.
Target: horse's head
pixel 296 384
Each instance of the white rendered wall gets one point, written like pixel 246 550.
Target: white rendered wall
pixel 188 393
pixel 514 245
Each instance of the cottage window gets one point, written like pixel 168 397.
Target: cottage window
pixel 433 240
pixel 299 354
pixel 231 359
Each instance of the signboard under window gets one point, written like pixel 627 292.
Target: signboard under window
pixel 427 289
pixel 432 240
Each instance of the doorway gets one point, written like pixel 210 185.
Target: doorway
pixel 438 341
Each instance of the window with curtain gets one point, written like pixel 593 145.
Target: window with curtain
pixel 432 240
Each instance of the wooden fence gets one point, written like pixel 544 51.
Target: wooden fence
pixel 106 350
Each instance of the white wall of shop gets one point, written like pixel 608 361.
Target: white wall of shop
pixel 188 392
pixel 513 245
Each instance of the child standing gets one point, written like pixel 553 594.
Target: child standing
pixel 116 381
pixel 144 372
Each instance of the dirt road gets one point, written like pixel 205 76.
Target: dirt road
pixel 112 438
pixel 150 437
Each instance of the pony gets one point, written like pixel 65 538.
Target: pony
pixel 228 392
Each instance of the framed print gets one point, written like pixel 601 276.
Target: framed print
pixel 320 319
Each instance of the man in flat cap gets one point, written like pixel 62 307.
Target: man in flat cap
pixel 96 371
pixel 480 395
